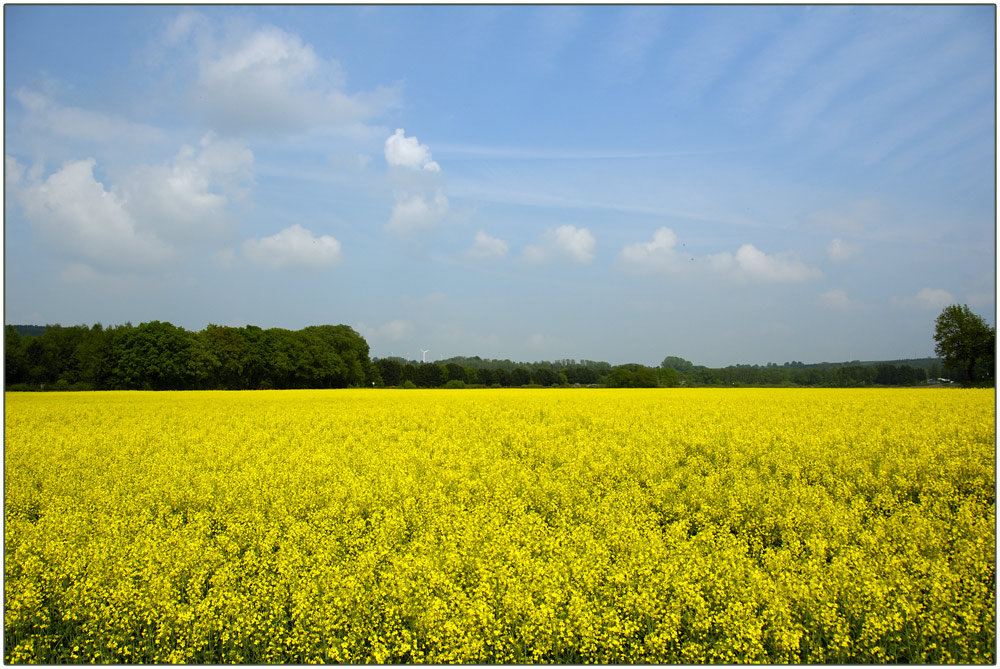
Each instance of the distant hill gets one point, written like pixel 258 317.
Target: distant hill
pixel 30 330
pixel 919 363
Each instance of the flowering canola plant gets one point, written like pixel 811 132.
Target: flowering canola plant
pixel 501 526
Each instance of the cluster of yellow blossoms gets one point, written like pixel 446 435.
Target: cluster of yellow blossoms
pixel 571 526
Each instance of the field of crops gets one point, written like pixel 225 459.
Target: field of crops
pixel 390 526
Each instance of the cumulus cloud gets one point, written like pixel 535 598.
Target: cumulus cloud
pixel 294 247
pixel 270 80
pixel 487 247
pixel 73 210
pixel 754 264
pixel 839 251
pixel 402 151
pixel 748 263
pixel 186 200
pixel 659 255
pixel 567 242
pixel 836 298
pixel 137 221
pixel 926 299
pixel 417 212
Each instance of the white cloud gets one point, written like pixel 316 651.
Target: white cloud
pixel 748 264
pixel 567 242
pixel 487 247
pixel 13 173
pixel 417 212
pixel 658 255
pixel 181 200
pixel 839 251
pixel 73 210
pixel 82 124
pixel 402 151
pixel 779 267
pixel 927 298
pixel 293 247
pixel 270 80
pixel 188 22
pixel 133 223
pixel 836 298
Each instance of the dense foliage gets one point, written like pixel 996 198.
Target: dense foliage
pixel 499 527
pixel 161 356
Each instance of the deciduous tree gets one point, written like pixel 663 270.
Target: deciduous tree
pixel 964 339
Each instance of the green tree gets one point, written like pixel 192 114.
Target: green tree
pixel 391 371
pixel 94 356
pixel 520 376
pixel 15 356
pixel 677 364
pixel 431 375
pixel 486 376
pixel 228 352
pixel 668 377
pixel 502 377
pixel 157 356
pixel 544 376
pixel 455 372
pixel 964 339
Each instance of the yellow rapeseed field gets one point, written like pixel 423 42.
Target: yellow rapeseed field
pixel 482 526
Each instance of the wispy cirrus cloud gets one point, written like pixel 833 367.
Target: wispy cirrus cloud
pixel 45 114
pixel 631 39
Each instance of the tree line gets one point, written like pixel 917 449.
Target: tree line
pixel 161 356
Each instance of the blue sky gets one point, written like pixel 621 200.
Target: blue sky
pixel 728 184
